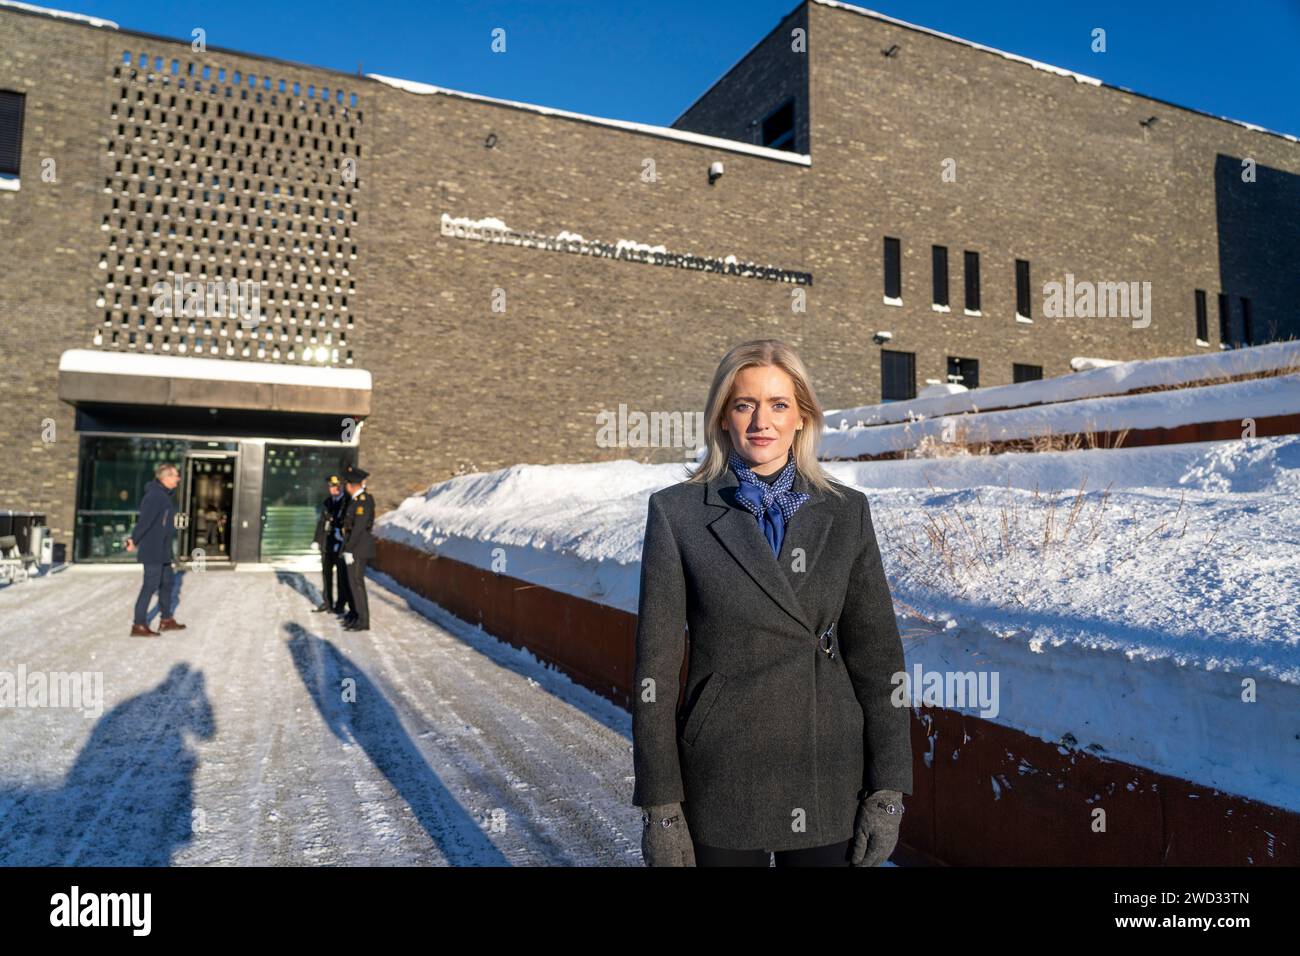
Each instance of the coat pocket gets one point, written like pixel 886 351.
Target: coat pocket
pixel 704 701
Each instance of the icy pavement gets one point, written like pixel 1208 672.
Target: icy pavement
pixel 265 734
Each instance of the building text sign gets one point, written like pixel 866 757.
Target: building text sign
pixel 494 230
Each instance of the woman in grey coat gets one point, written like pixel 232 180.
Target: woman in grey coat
pixel 785 739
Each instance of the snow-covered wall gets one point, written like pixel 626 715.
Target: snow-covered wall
pixel 1234 401
pixel 1113 379
pixel 1191 585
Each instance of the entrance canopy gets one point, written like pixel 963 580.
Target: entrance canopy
pixel 100 377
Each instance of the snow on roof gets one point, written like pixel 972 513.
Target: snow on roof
pixel 64 14
pixel 1038 65
pixel 209 369
pixel 667 132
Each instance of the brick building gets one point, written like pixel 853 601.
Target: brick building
pixel 450 282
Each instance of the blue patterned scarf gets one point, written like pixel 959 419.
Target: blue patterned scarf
pixel 772 505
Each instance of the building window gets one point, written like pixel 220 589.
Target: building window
pixel 964 371
pixel 939 260
pixel 1247 336
pixel 972 283
pixel 1026 373
pixel 1225 321
pixel 897 375
pixel 778 128
pixel 1202 317
pixel 1022 290
pixel 893 272
pixel 11 132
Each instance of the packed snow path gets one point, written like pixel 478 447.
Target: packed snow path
pixel 241 740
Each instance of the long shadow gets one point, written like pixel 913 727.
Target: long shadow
pixel 360 712
pixel 128 798
pixel 522 662
pixel 299 583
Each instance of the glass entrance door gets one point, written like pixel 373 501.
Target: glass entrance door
pixel 209 506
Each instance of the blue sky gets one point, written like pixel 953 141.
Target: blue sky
pixel 647 61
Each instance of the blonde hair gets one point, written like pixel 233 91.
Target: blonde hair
pixel 764 352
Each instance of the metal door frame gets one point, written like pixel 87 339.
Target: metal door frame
pixel 232 527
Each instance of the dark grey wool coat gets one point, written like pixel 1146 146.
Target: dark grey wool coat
pixel 775 742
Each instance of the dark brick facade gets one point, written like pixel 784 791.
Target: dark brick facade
pixel 1048 169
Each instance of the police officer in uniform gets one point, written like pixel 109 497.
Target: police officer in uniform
pixel 358 546
pixel 329 537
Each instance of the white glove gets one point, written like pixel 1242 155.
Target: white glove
pixel 347 557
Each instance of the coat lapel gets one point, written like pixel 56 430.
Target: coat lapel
pixel 739 533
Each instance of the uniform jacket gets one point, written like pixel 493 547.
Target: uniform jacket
pixel 155 528
pixel 772 734
pixel 358 520
pixel 330 516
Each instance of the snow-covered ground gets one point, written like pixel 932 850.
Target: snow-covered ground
pixel 1131 635
pixel 264 734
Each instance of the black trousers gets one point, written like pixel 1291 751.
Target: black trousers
pixel 832 854
pixel 357 591
pixel 331 565
pixel 158 579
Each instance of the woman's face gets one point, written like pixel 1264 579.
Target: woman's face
pixel 762 417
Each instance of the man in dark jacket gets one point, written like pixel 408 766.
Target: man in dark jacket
pixel 358 546
pixel 151 540
pixel 329 538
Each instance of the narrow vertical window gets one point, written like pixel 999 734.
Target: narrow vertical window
pixel 939 262
pixel 897 375
pixel 1202 317
pixel 11 132
pixel 1247 333
pixel 1225 321
pixel 1022 289
pixel 973 283
pixel 893 272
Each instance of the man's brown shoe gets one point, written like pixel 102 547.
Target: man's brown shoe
pixel 169 624
pixel 142 630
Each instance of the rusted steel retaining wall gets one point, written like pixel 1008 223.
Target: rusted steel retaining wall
pixel 983 794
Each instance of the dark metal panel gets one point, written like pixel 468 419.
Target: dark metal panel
pixel 247 539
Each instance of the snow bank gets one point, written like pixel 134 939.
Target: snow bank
pixel 1094 383
pixel 1135 643
pixel 1235 401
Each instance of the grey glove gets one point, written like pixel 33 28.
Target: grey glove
pixel 876 829
pixel 665 840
